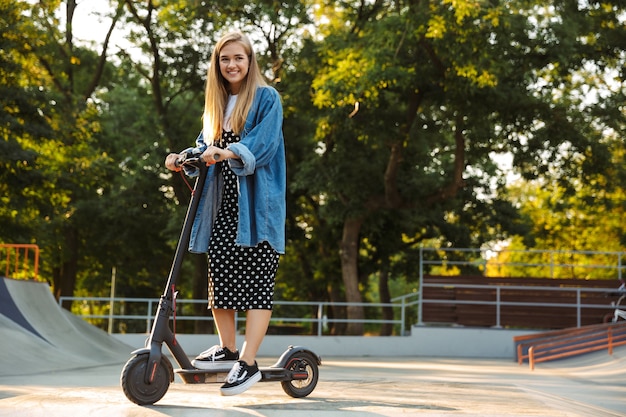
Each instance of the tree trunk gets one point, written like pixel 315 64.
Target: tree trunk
pixel 349 270
pixel 66 276
pixel 336 311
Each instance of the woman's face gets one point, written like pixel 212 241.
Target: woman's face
pixel 234 65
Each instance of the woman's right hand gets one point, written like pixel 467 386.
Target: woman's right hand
pixel 171 162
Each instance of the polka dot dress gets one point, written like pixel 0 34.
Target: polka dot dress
pixel 240 278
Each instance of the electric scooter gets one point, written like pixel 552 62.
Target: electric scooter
pixel 147 375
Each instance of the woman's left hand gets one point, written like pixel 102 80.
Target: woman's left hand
pixel 213 154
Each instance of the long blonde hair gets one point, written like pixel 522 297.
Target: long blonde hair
pixel 216 92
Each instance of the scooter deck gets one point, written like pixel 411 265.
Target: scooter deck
pixel 269 373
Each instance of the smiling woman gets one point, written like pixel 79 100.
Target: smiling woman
pixel 241 220
pixel 234 65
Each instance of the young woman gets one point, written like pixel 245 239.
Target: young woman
pixel 241 218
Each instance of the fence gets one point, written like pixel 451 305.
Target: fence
pixel 17 260
pixel 552 305
pixel 320 321
pixel 489 300
pixel 463 299
pixel 542 347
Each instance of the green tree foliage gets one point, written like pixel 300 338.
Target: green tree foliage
pixel 396 117
pixel 583 229
pixel 178 37
pixel 73 164
pixel 169 69
pixel 95 191
pixel 61 161
pixel 420 97
pixel 22 121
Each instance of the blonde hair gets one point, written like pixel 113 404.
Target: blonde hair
pixel 216 92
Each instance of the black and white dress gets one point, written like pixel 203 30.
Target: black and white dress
pixel 240 278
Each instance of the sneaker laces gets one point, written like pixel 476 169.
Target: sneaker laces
pixel 210 352
pixel 233 375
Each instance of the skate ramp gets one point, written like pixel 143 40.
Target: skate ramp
pixel 37 335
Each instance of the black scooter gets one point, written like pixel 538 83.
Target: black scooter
pixel 147 375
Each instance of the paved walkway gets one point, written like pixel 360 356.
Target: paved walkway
pixel 363 387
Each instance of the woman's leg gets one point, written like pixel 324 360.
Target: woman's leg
pixel 257 322
pixel 226 328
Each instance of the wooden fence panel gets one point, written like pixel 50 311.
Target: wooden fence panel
pixel 476 306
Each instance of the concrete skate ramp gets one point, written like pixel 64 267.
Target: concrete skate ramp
pixel 36 334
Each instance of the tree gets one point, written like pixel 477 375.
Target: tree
pixel 395 115
pixel 419 97
pixel 73 165
pixel 57 147
pixel 583 228
pixel 22 121
pixel 178 37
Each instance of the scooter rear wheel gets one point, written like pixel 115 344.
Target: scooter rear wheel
pixel 134 384
pixel 301 362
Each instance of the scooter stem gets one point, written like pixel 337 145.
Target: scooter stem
pixel 161 331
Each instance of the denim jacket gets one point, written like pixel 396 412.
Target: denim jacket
pixel 261 177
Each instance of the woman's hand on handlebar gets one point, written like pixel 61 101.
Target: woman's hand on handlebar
pixel 172 162
pixel 213 154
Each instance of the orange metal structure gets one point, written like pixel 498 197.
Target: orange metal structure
pixel 19 262
pixel 548 346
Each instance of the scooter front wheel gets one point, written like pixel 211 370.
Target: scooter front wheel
pixel 134 384
pixel 304 363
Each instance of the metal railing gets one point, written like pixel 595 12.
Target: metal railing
pixel 499 304
pixel 444 258
pixel 548 346
pixel 400 306
pixel 17 261
pixel 318 312
pixel 321 320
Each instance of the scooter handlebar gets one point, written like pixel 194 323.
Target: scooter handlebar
pixel 195 161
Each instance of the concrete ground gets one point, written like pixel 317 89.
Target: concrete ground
pixel 55 364
pixel 593 386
